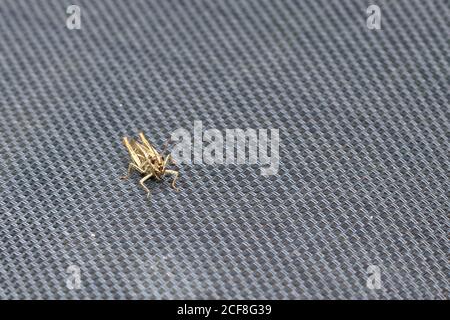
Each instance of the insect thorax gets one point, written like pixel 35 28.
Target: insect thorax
pixel 153 167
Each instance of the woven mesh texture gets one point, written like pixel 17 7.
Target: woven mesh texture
pixel 363 178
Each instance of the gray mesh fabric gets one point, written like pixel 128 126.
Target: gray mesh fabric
pixel 363 120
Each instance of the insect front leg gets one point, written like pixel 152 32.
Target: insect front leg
pixel 131 166
pixel 174 173
pixel 141 182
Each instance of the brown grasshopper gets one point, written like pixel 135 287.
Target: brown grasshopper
pixel 149 162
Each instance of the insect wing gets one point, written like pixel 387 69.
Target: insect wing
pixel 143 152
pixel 133 151
pixel 148 145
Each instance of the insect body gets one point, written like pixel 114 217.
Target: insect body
pixel 149 162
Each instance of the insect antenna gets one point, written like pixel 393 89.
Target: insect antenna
pixel 166 145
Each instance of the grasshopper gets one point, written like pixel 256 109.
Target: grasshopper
pixel 147 161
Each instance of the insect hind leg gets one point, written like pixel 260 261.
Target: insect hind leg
pixel 174 173
pixel 141 182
